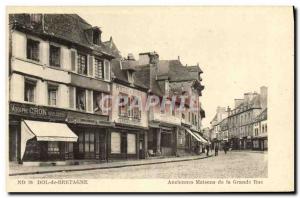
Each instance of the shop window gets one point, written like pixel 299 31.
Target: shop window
pixel 54 56
pixel 52 95
pixel 29 90
pixel 80 99
pixel 131 142
pixel 80 142
pixel 115 142
pixel 69 150
pixel 99 69
pixel 33 49
pixel 89 144
pixel 166 139
pixel 82 64
pixel 53 148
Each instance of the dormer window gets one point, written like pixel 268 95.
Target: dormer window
pixel 35 18
pixel 130 76
pixel 96 36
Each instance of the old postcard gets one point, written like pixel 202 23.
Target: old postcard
pixel 150 99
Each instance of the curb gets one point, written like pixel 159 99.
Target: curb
pixel 110 167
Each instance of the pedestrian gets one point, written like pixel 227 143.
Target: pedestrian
pixel 216 150
pixel 207 150
pixel 225 149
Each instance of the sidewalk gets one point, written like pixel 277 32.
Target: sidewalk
pixel 18 169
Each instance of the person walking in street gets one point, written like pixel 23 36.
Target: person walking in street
pixel 207 150
pixel 225 149
pixel 216 150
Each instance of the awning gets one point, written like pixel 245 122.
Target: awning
pixel 45 131
pixel 51 131
pixel 204 141
pixel 196 136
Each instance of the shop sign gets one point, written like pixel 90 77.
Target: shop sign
pixel 90 119
pixel 35 111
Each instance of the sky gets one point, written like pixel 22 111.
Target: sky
pixel 234 46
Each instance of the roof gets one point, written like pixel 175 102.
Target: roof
pixel 195 68
pixel 110 44
pixel 67 27
pixel 121 74
pixel 262 116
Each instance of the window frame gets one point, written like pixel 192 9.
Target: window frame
pixel 29 56
pixel 51 45
pixel 76 99
pixel 52 87
pixel 96 59
pixel 79 62
pixel 32 83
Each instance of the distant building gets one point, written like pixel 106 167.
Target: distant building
pixel 221 114
pixel 240 119
pixel 260 136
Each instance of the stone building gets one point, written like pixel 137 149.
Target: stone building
pixel 240 118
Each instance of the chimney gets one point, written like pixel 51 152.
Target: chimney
pixel 179 58
pixel 237 102
pixel 130 57
pixel 148 58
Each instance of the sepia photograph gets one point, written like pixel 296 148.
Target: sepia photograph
pixel 166 99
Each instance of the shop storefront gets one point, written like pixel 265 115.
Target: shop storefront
pixel 39 134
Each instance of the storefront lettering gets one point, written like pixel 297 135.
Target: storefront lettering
pixel 36 111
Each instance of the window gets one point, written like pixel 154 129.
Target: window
pixel 80 99
pixel 115 142
pixel 136 111
pixel 82 64
pixel 29 91
pixel 33 49
pixel 52 95
pixel 80 142
pixel 131 142
pixel 35 18
pixel 130 76
pixel 97 97
pixel 69 150
pixel 123 105
pixel 263 128
pixel 266 128
pixel 54 56
pixel 96 36
pixel 89 142
pixel 99 69
pixel 53 148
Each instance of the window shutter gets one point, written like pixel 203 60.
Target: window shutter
pixel 71 97
pixel 89 100
pixel 73 60
pixel 106 70
pixel 91 65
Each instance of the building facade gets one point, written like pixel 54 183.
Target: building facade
pixel 260 135
pixel 60 71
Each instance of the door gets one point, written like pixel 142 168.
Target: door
pixel 141 147
pixel 102 146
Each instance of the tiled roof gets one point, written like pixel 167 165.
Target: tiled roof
pixel 112 47
pixel 195 68
pixel 68 27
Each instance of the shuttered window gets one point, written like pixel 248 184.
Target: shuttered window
pixel 91 65
pixel 131 143
pixel 115 142
pixel 82 64
pixel 99 69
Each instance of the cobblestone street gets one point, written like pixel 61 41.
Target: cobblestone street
pixel 233 165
